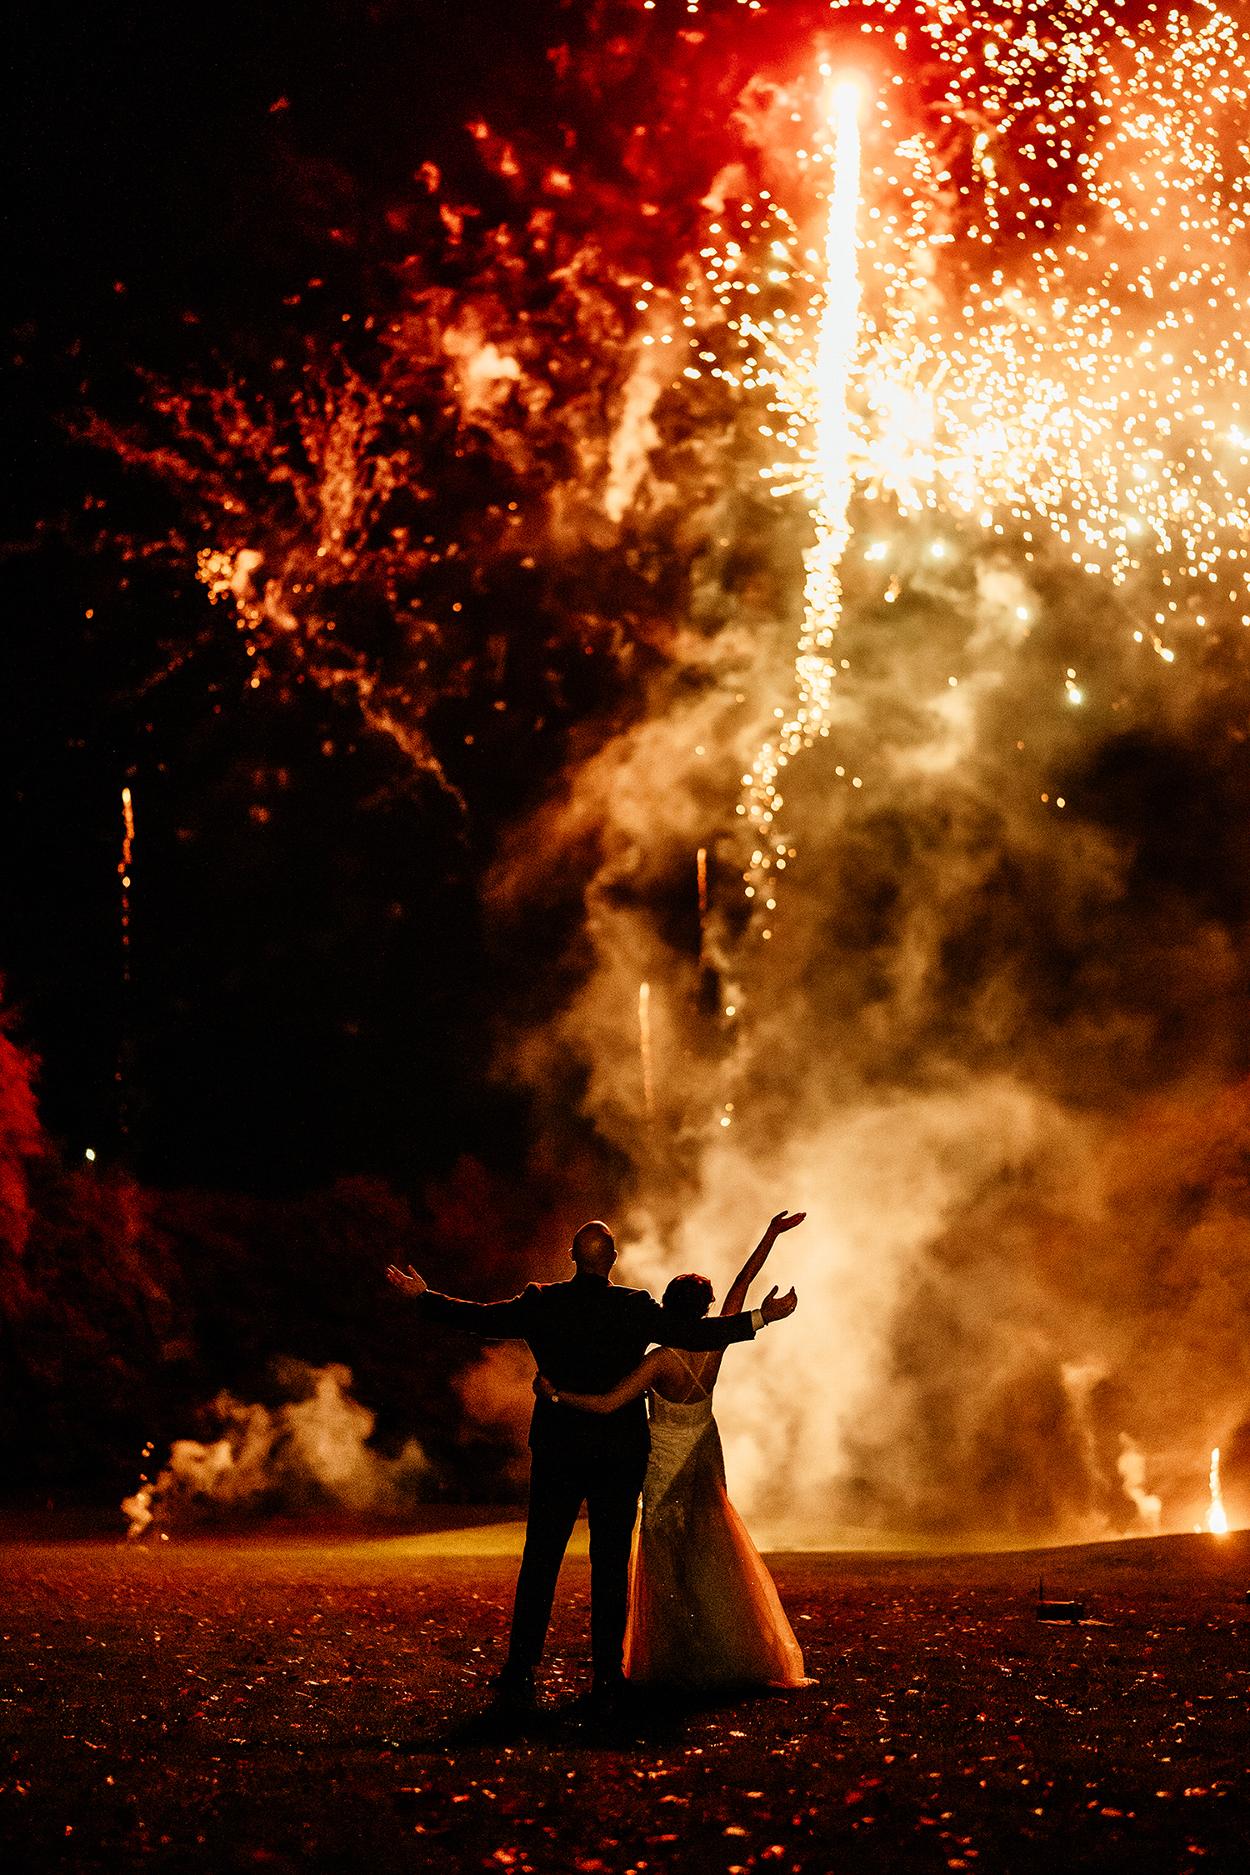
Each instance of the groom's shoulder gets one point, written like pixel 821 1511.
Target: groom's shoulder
pixel 632 1297
pixel 545 1292
pixel 570 1294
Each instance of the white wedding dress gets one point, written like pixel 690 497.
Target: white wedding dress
pixel 703 1610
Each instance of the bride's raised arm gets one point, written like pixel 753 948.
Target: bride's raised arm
pixel 655 1363
pixel 736 1295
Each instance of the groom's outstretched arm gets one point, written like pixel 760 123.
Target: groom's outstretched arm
pixel 497 1321
pixel 717 1331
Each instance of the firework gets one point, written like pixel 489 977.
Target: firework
pixel 1047 261
pixel 966 310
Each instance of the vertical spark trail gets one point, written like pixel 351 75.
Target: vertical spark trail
pixel 125 864
pixel 120 1075
pixel 834 359
pixel 644 1049
pixel 123 873
pixel 1217 1516
pixel 822 590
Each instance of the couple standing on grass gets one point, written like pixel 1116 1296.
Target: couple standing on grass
pixel 698 1609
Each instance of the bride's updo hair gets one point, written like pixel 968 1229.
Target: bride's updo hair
pixel 689 1297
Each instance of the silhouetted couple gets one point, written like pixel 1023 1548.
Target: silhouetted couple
pixel 700 1610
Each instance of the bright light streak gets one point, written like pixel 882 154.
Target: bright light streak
pixel 1217 1517
pixel 644 1050
pixel 125 868
pixel 827 402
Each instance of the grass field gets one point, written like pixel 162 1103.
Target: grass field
pixel 278 1705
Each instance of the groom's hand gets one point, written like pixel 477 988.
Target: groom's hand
pixel 775 1308
pixel 407 1280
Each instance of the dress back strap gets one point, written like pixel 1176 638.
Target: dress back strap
pixel 695 1377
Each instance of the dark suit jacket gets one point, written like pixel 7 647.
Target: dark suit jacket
pixel 586 1335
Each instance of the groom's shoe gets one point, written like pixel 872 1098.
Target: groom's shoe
pixel 514 1696
pixel 608 1699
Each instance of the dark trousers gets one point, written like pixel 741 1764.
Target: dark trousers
pixel 608 1483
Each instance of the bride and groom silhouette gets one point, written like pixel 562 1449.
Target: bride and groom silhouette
pixel 698 1609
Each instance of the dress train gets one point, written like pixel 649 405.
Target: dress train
pixel 703 1609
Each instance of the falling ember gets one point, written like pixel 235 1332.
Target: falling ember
pixel 700 866
pixel 1217 1517
pixel 644 1049
pixel 831 476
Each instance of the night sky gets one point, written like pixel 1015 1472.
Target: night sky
pixel 310 986
pixel 305 1019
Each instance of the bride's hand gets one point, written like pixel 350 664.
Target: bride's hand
pixel 784 1221
pixel 543 1387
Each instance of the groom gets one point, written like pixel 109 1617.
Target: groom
pixel 585 1334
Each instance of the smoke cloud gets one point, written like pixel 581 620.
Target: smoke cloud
pixel 310 1452
pixel 989 1046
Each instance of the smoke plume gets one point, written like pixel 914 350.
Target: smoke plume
pixel 991 1046
pixel 310 1452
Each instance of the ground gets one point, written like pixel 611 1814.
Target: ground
pixel 275 1705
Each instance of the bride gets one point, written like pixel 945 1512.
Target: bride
pixel 703 1610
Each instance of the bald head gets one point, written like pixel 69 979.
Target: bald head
pixel 594 1248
